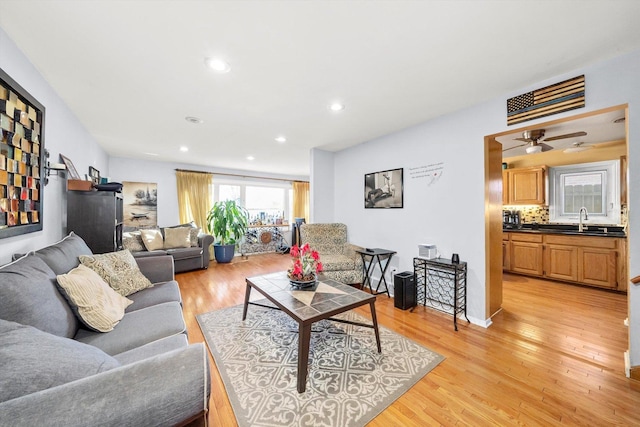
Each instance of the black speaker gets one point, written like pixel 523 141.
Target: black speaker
pixel 404 290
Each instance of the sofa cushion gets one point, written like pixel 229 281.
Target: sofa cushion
pixel 97 305
pixel 177 238
pixel 152 349
pixel 32 360
pixel 184 253
pixel 160 293
pixel 63 256
pixel 146 253
pixel 152 239
pixel 119 269
pixel 133 241
pixel 335 262
pixel 138 328
pixel 29 295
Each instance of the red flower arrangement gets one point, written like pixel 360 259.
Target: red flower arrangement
pixel 306 262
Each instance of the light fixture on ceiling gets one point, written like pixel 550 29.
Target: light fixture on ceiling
pixel 281 139
pixel 250 158
pixel 534 149
pixel 194 120
pixel 577 147
pixel 218 65
pixel 184 149
pixel 336 107
pixel 151 154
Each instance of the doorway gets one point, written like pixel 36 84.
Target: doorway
pixel 493 175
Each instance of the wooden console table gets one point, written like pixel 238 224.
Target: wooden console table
pixel 442 283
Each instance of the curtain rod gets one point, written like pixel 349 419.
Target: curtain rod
pixel 238 175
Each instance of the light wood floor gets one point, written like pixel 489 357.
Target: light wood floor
pixel 554 354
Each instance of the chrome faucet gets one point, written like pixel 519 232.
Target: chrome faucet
pixel 581 227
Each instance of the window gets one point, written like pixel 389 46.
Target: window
pixel 229 192
pixel 594 186
pixel 266 201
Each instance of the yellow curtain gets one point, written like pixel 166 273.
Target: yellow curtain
pixel 195 197
pixel 301 200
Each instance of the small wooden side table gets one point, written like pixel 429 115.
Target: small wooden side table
pixel 371 257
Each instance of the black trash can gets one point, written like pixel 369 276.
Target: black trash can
pixel 404 290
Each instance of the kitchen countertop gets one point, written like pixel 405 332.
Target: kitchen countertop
pixel 570 229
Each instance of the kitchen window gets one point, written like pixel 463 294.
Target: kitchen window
pixel 595 186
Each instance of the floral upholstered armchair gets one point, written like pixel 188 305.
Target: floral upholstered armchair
pixel 339 258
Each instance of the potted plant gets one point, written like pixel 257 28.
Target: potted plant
pixel 227 222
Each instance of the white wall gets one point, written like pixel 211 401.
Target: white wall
pixel 322 187
pixel 64 134
pixel 449 212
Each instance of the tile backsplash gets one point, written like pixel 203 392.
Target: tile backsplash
pixel 540 214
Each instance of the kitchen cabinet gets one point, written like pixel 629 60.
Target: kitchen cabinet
pixel 526 253
pixel 506 249
pixel 586 260
pixel 524 186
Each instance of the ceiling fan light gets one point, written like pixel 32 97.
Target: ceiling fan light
pixel 576 147
pixel 534 149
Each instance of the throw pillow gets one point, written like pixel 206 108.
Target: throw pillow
pixel 193 236
pixel 97 305
pixel 29 296
pixel 152 239
pixel 177 238
pixel 120 270
pixel 33 360
pixel 133 241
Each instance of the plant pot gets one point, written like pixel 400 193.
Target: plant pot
pixel 224 253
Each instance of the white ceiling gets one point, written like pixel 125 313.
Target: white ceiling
pixel 601 128
pixel 133 70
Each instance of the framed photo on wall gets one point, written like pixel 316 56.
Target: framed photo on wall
pixel 384 189
pixel 22 159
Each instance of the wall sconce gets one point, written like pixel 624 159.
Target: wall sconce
pixel 52 167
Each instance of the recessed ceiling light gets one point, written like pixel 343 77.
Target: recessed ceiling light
pixel 250 158
pixel 194 120
pixel 218 65
pixel 151 154
pixel 184 149
pixel 336 106
pixel 281 139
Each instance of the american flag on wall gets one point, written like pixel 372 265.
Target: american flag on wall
pixel 563 96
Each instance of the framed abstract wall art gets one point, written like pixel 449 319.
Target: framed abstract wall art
pixel 21 159
pixel 384 189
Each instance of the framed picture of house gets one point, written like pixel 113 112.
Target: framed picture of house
pixel 384 189
pixel 22 159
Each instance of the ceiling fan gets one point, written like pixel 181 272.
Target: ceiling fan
pixel 531 138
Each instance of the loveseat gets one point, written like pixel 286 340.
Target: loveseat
pixel 188 253
pixel 339 258
pixel 54 370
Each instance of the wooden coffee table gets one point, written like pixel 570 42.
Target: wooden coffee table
pixel 322 301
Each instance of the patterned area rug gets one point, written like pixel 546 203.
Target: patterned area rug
pixel 349 382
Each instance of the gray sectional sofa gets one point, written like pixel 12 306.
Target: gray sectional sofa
pixel 55 371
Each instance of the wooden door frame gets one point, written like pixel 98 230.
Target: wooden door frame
pixel 493 193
